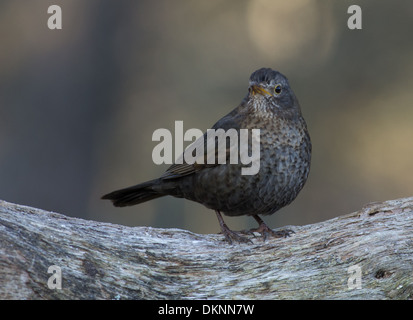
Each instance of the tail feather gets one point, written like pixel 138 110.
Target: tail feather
pixel 134 195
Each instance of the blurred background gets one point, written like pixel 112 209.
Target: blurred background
pixel 78 106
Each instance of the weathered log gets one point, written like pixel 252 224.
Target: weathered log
pixel 363 255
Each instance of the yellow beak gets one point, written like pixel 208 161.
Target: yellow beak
pixel 254 89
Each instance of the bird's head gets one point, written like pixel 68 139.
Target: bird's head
pixel 270 94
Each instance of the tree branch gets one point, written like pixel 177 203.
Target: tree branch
pixel 364 255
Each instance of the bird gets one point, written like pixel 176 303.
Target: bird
pixel 271 106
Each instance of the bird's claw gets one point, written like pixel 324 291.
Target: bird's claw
pixel 266 232
pixel 233 236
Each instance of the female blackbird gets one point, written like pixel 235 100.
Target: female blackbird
pixel 284 161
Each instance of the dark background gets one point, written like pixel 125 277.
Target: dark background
pixel 78 106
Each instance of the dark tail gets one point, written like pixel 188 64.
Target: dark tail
pixel 134 195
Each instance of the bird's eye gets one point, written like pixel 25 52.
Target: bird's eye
pixel 277 89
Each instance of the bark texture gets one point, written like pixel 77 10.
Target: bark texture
pixel 367 254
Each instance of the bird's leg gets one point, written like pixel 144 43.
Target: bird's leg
pixel 266 231
pixel 228 233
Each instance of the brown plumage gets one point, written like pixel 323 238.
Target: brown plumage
pixel 284 163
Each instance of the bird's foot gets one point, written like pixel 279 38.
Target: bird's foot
pixel 266 231
pixel 230 235
pixel 233 236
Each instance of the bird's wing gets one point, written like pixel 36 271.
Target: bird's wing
pixel 182 168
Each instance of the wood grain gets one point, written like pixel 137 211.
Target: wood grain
pixel 106 261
